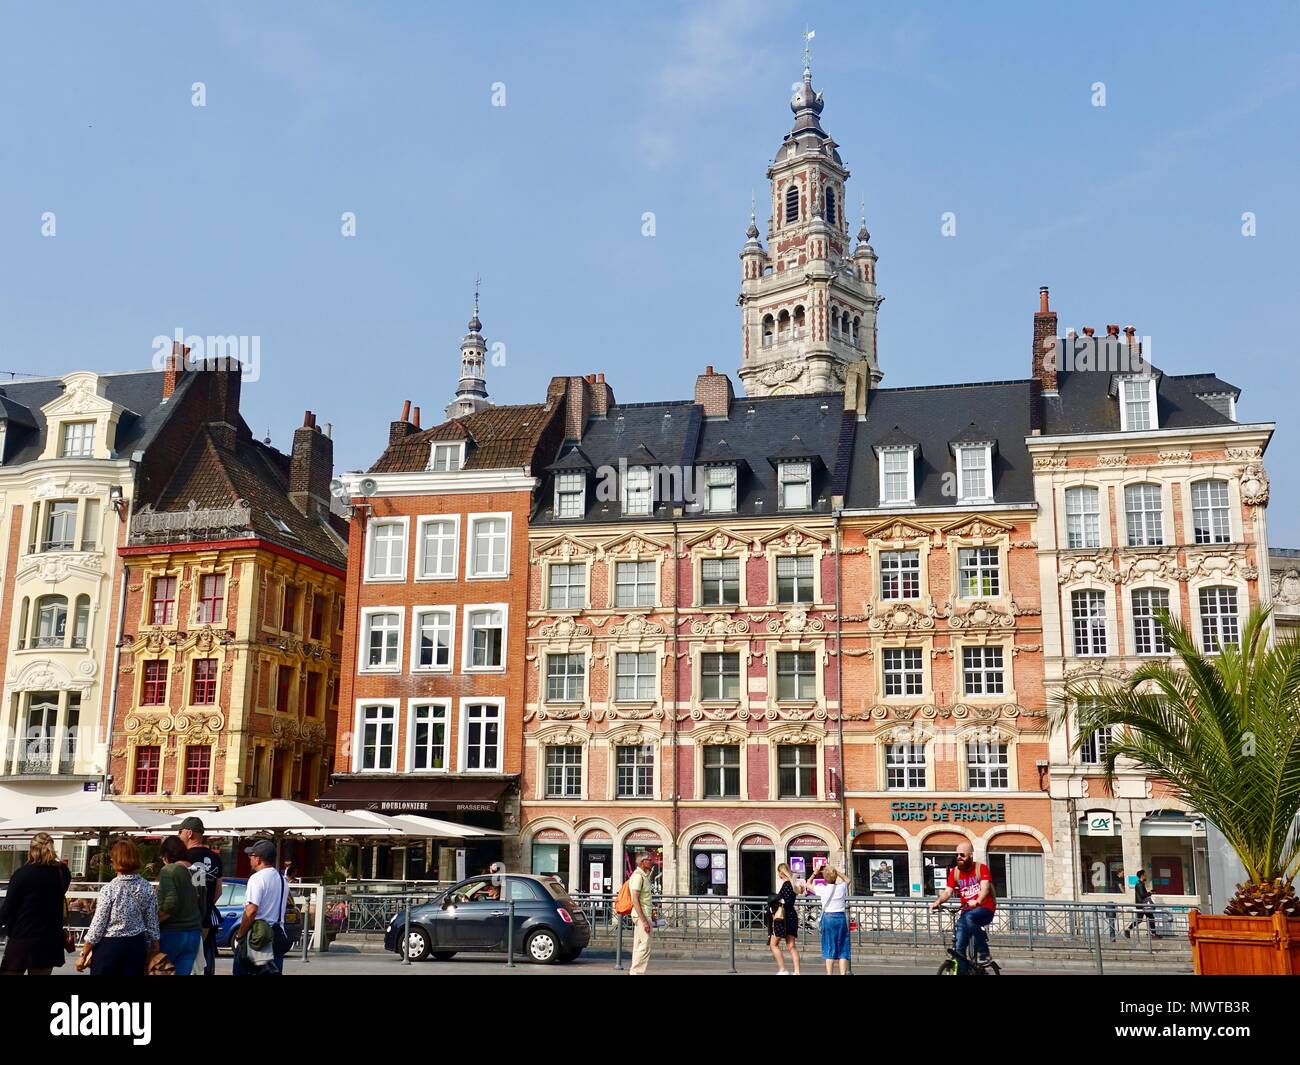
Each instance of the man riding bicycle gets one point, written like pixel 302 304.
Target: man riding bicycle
pixel 974 884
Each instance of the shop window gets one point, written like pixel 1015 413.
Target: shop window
pixel 708 871
pixel 551 859
pixel 881 872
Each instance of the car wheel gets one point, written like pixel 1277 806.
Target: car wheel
pixel 443 955
pixel 542 947
pixel 417 943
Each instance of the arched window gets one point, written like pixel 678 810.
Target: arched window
pixel 783 327
pixel 830 206
pixel 835 322
pixel 22 623
pixel 798 322
pixel 792 203
pixel 857 322
pixel 769 325
pixel 81 621
pixel 844 325
pixel 51 621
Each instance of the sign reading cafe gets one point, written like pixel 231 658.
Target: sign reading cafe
pixel 946 810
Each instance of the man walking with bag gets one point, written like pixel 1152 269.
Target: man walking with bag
pixel 205 868
pixel 261 941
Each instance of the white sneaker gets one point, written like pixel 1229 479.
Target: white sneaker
pixel 782 972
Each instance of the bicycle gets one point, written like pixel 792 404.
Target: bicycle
pixel 974 967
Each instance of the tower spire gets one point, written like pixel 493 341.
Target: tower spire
pixel 471 390
pixel 808 35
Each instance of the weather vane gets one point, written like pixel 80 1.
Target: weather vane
pixel 808 35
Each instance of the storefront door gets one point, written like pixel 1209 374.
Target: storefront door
pixel 757 873
pixel 597 865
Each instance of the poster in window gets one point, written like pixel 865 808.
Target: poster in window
pixel 719 877
pixel 882 878
pixel 719 860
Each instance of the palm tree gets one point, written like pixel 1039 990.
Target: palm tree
pixel 1224 731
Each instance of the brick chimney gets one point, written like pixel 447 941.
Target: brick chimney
pixel 577 406
pixel 174 368
pixel 311 465
pixel 1044 362
pixel 602 396
pixel 224 386
pixel 402 428
pixel 713 393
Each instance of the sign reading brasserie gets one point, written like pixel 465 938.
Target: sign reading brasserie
pixel 947 810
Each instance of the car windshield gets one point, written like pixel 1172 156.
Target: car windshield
pixel 232 894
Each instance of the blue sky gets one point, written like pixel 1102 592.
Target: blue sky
pixel 225 219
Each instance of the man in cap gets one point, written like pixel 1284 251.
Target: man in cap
pixel 205 869
pixel 266 899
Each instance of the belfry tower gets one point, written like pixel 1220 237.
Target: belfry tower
pixel 471 390
pixel 808 305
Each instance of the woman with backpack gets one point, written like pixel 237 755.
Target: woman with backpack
pixel 180 916
pixel 783 921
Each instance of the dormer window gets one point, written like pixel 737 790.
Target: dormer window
pixel 78 440
pixel 720 489
pixel 1137 404
pixel 796 485
pixel 570 495
pixel 897 483
pixel 974 473
pixel 445 458
pixel 638 491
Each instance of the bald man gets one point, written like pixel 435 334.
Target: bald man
pixel 973 883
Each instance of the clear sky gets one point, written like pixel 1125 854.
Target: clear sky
pixel 226 219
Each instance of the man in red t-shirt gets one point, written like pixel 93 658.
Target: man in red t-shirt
pixel 973 882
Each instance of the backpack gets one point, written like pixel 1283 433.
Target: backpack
pixel 623 904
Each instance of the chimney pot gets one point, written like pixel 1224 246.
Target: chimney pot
pixel 1088 330
pixel 415 417
pixel 1112 330
pixel 1043 306
pixel 406 411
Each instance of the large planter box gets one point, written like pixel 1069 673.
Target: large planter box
pixel 1244 946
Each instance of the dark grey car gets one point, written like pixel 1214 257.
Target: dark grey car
pixel 472 917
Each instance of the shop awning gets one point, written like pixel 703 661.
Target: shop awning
pixel 396 795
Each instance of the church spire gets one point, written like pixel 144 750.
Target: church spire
pixel 471 390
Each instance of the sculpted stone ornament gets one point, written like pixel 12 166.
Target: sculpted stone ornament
pixel 564 628
pixel 1113 460
pixel 1171 457
pixel 637 625
pixel 1051 462
pixel 783 374
pixel 1286 589
pixel 793 622
pixel 901 617
pixel 1082 567
pixel 1142 567
pixel 636 713
pixel 984 615
pixel 1254 485
pixel 719 625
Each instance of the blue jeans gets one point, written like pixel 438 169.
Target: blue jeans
pixel 181 949
pixel 972 923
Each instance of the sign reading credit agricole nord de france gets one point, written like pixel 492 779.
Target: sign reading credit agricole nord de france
pixel 947 810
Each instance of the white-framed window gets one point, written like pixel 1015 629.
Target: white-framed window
pixel 78 440
pixel 982 671
pixel 429 734
pixel 988 766
pixel 979 572
pixel 565 677
pixel 1211 517
pixel 902 671
pixel 436 548
pixel 634 771
pixel 796 677
pixel 634 584
pixel 720 581
pixel 567 586
pixel 1082 517
pixel 386 550
pixel 720 675
pixel 974 473
pixel 721 771
pixel 446 458
pixel 570 495
pixel 796 771
pixel 381 639
pixel 635 677
pixel 433 645
pixel 376 746
pixel 482 728
pixel 1144 515
pixel 1220 625
pixel 564 771
pixel 1149 636
pixel 905 767
pixel 900 574
pixel 720 489
pixel 485 637
pixel 1137 404
pixel 1094 747
pixel 638 491
pixel 897 484
pixel 1088 611
pixel 489 545
pixel 794 579
pixel 796 485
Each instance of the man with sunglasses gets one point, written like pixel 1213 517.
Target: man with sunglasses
pixel 974 884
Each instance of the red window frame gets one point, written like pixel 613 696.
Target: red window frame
pixel 203 686
pixel 317 616
pixel 153 690
pixel 288 607
pixel 198 770
pixel 162 601
pixel 148 768
pixel 212 597
pixel 283 677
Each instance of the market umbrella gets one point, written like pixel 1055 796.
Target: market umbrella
pixel 101 817
pixel 449 829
